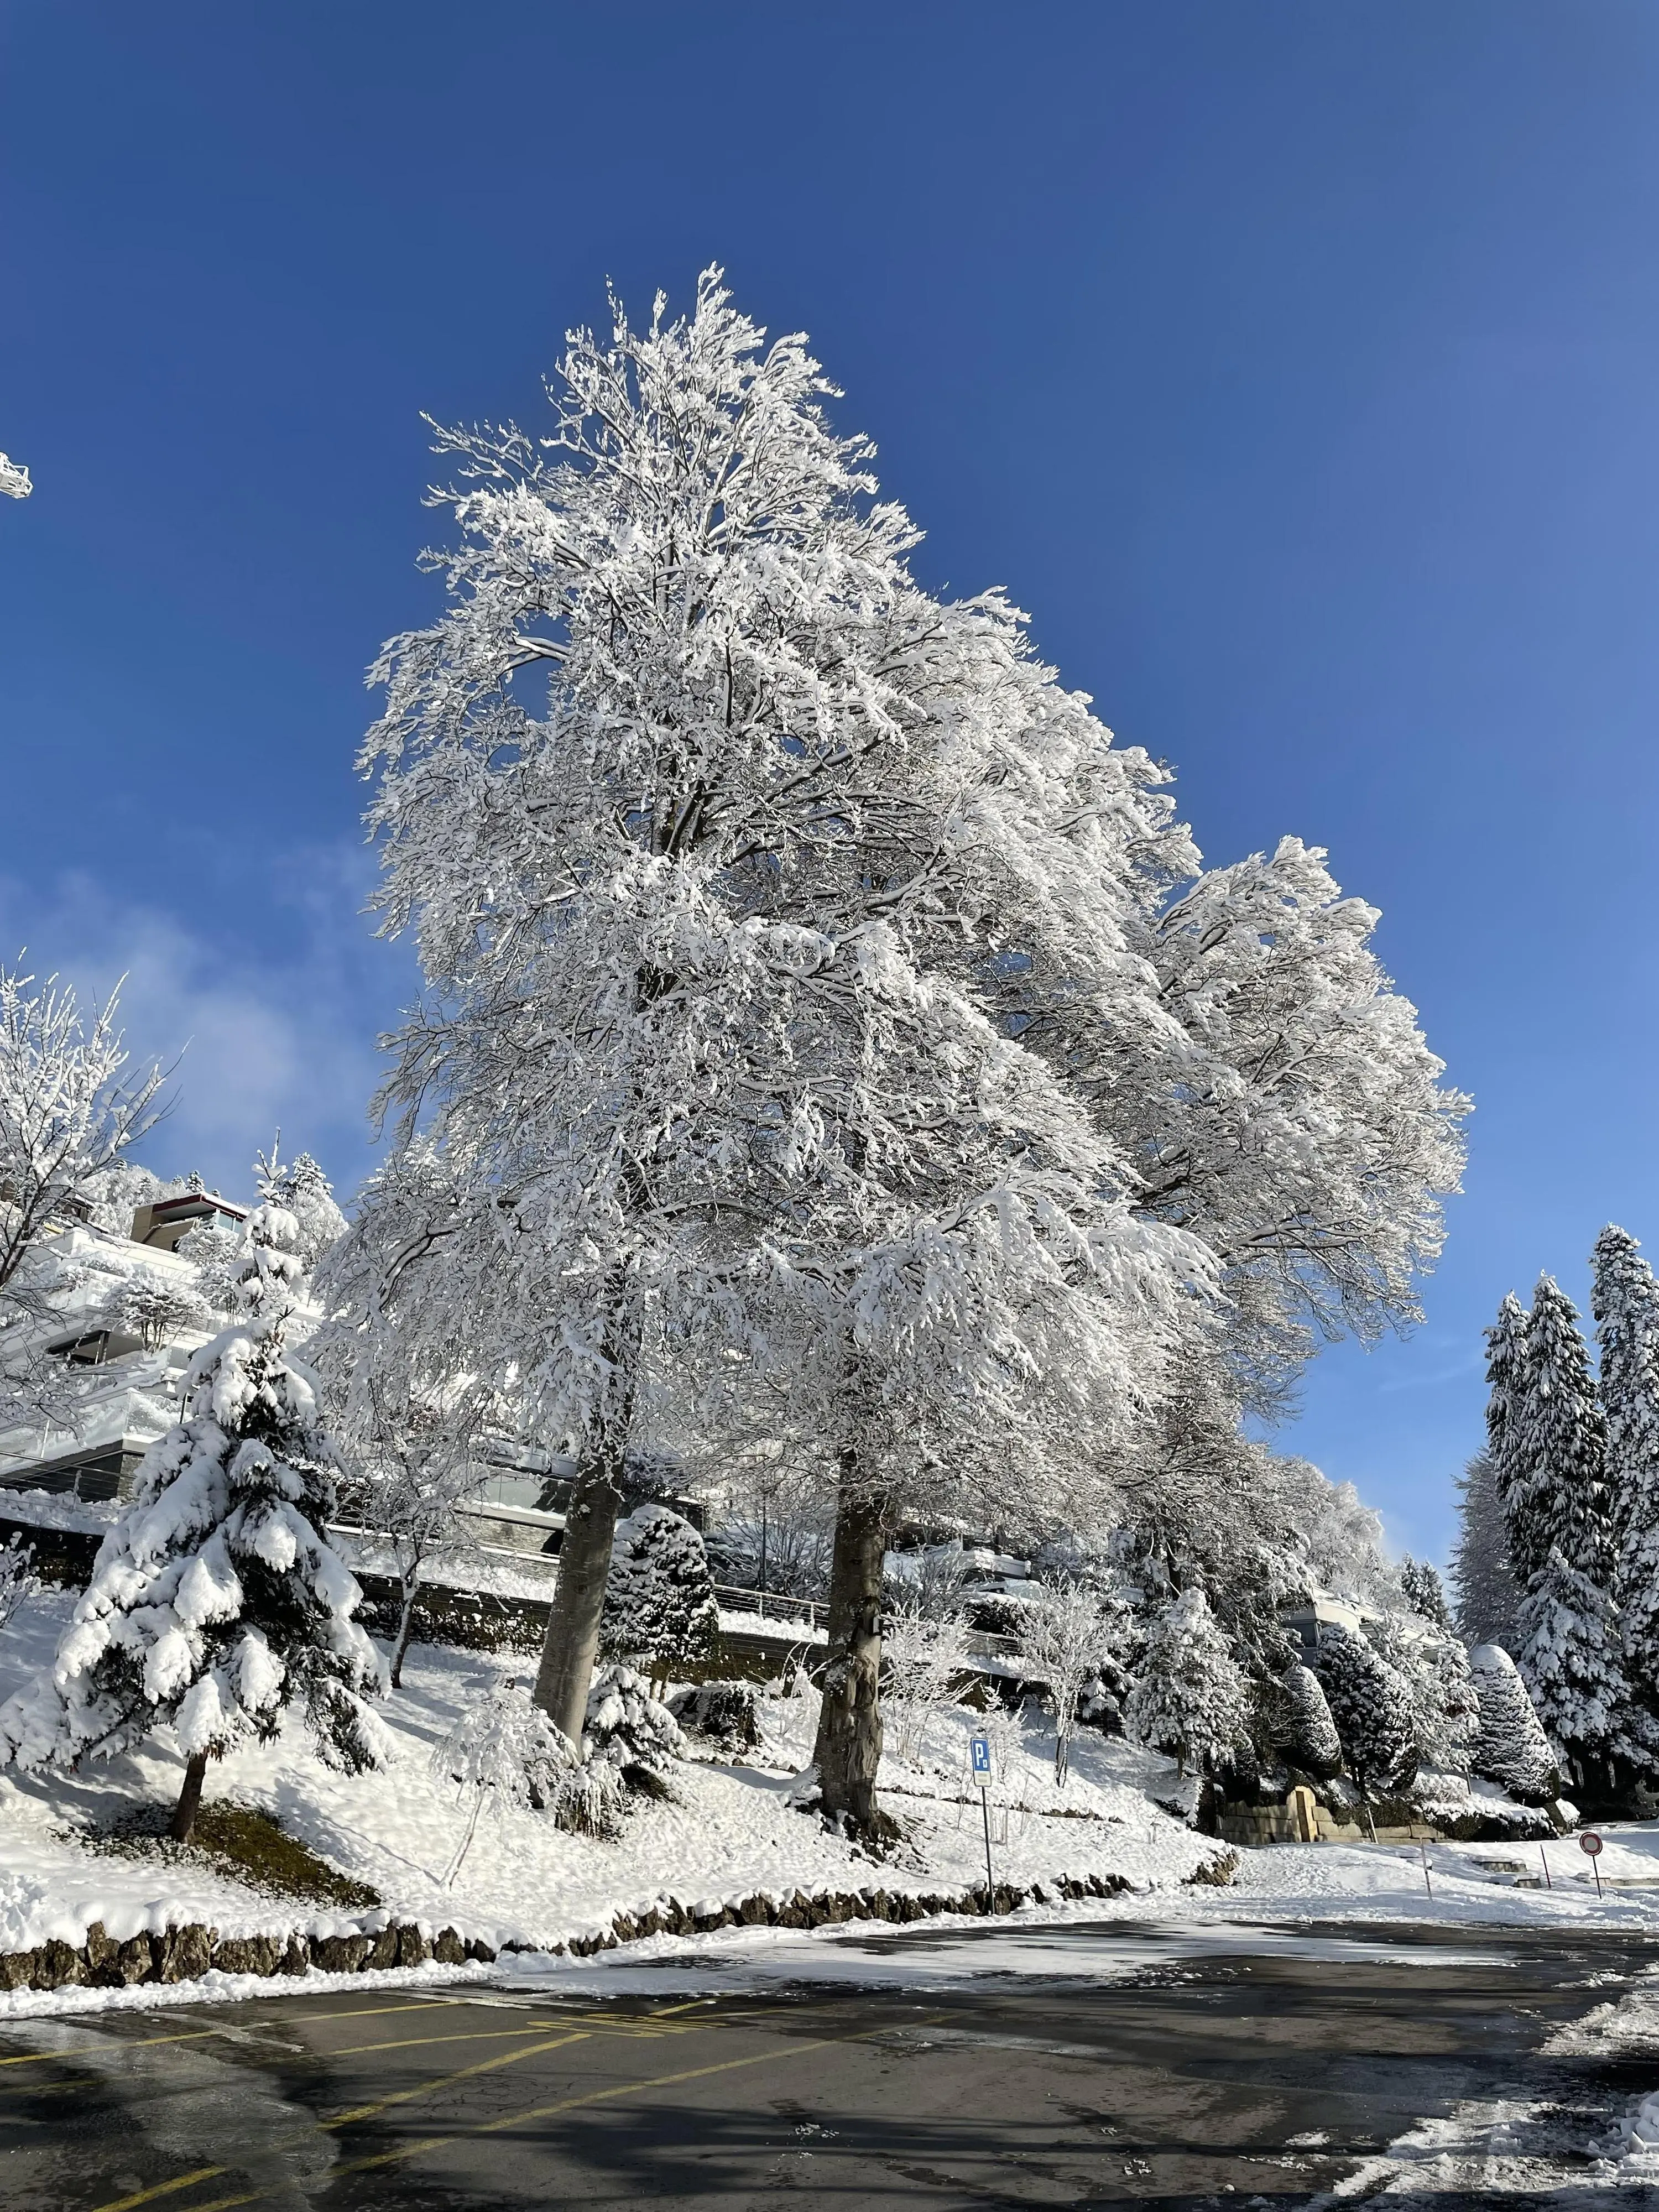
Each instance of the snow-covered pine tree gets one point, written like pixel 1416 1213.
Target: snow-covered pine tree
pixel 1311 1742
pixel 1625 1300
pixel 1188 1697
pixel 715 1047
pixel 306 1191
pixel 1560 1533
pixel 660 1601
pixel 1372 1706
pixel 1488 1598
pixel 1506 1395
pixel 1423 1592
pixel 1510 1748
pixel 216 1603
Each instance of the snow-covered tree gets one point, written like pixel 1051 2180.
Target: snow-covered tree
pixel 1445 1712
pixel 18 1581
pixel 506 1754
pixel 659 1601
pixel 1507 1389
pixel 305 1193
pixel 14 479
pixel 69 1112
pixel 925 1655
pixel 1310 1740
pixel 1625 1300
pixel 1188 1699
pixel 717 950
pixel 1284 1107
pixel 1488 1598
pixel 156 1309
pixel 1510 1748
pixel 1424 1593
pixel 1371 1704
pixel 1561 1539
pixel 216 1603
pixel 629 1731
pixel 1071 1630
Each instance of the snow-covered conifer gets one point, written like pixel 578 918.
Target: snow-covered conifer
pixel 1625 1300
pixel 305 1191
pixel 629 1731
pixel 1188 1697
pixel 216 1602
pixel 1511 1747
pixel 659 1601
pixel 1506 1395
pixel 1311 1742
pixel 1371 1704
pixel 1423 1592
pixel 1488 1598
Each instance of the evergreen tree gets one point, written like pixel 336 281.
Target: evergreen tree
pixel 1188 1699
pixel 1625 1300
pixel 1506 1379
pixel 216 1603
pixel 1424 1593
pixel 660 1601
pixel 1311 1742
pixel 1488 1599
pixel 1371 1704
pixel 1560 1535
pixel 1510 1748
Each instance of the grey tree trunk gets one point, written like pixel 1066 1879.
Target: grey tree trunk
pixel 405 1628
pixel 183 1823
pixel 572 1644
pixel 848 1747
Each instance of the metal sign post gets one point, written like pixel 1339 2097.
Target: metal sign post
pixel 1590 1843
pixel 980 1753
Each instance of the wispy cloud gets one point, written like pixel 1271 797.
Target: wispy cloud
pixel 272 1028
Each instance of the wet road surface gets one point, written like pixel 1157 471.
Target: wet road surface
pixel 1192 2076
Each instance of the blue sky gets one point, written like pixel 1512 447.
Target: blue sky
pixel 1297 366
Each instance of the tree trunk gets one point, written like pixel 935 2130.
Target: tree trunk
pixel 572 1644
pixel 183 1823
pixel 405 1630
pixel 848 1747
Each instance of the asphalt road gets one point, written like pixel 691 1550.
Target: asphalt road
pixel 1197 2077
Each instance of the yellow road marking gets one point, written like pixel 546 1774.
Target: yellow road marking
pixel 164 2189
pixel 111 2043
pixel 462 2035
pixel 431 2088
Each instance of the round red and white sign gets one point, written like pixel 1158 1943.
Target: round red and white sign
pixel 1590 1842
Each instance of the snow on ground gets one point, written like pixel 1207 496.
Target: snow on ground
pixel 727 1832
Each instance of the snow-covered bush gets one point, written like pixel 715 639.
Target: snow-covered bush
pixel 724 1712
pixel 628 1732
pixel 214 1250
pixel 1371 1704
pixel 1510 1748
pixel 1309 1740
pixel 216 1603
pixel 926 1660
pixel 1069 1630
pixel 1188 1697
pixel 506 1752
pixel 18 1583
pixel 659 1604
pixel 156 1310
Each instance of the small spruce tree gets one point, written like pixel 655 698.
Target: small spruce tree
pixel 1424 1593
pixel 216 1603
pixel 1310 1740
pixel 1488 1596
pixel 1190 1697
pixel 659 1600
pixel 1511 1747
pixel 1372 1706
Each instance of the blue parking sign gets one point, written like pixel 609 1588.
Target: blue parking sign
pixel 981 1745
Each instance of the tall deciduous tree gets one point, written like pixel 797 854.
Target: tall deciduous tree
pixel 715 940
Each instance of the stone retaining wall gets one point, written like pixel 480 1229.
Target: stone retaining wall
pixel 182 1954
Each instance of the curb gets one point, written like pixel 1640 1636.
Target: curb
pixel 185 1953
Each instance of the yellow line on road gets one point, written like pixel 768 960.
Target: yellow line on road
pixel 110 2043
pixel 461 2035
pixel 164 2189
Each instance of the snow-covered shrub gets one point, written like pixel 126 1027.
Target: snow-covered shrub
pixel 1310 1741
pixel 924 1663
pixel 18 1583
pixel 725 1712
pixel 1510 1748
pixel 156 1310
pixel 1188 1699
pixel 1069 1630
pixel 659 1604
pixel 216 1603
pixel 214 1250
pixel 628 1731
pixel 1371 1704
pixel 506 1752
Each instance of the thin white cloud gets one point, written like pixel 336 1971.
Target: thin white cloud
pixel 277 1033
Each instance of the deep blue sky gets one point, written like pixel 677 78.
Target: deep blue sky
pixel 1297 366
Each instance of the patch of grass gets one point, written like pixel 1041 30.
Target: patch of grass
pixel 240 1841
